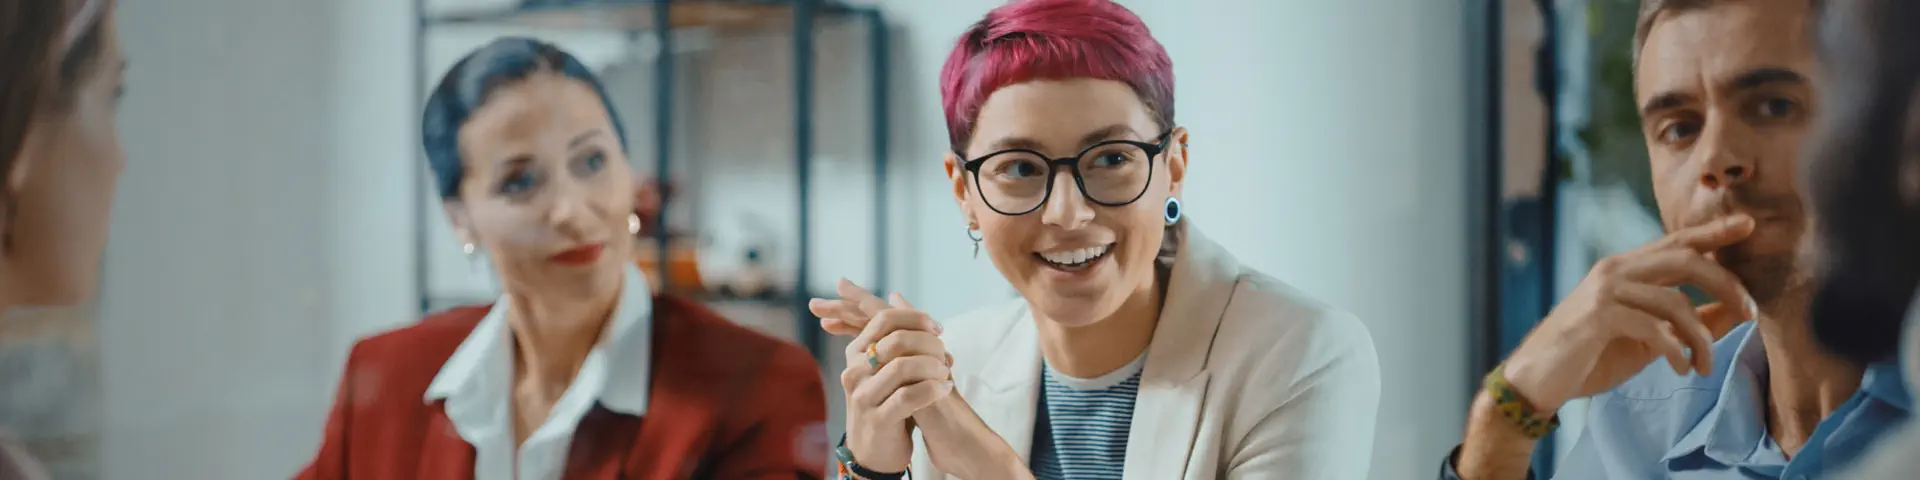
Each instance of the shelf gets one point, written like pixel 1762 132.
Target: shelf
pixel 773 316
pixel 800 20
pixel 638 15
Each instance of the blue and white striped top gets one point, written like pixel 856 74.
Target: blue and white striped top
pixel 1081 430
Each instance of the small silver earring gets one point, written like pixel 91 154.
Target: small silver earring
pixel 468 248
pixel 973 233
pixel 1173 210
pixel 633 223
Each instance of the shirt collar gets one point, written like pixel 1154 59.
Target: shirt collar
pixel 1885 381
pixel 1732 430
pixel 619 367
pixel 1734 426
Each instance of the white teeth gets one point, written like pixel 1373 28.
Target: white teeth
pixel 1076 256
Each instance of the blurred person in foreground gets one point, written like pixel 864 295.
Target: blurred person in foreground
pixel 1726 91
pixel 1138 345
pixel 61 77
pixel 579 371
pixel 1863 175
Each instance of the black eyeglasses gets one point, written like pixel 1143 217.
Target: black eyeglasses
pixel 1110 173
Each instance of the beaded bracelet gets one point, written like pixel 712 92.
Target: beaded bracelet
pixel 1511 405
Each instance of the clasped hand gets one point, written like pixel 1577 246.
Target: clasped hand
pixel 896 366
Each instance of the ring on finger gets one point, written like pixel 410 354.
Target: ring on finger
pixel 873 355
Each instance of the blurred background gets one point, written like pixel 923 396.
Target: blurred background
pixel 1436 168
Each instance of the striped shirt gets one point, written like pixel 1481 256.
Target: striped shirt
pixel 1081 430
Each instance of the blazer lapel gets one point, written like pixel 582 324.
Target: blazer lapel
pixel 443 454
pixel 1173 384
pixel 1010 382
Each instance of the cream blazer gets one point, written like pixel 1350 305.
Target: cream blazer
pixel 1245 378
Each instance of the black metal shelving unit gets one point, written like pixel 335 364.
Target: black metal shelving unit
pixel 1510 294
pixel 642 17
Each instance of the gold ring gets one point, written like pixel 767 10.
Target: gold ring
pixel 873 355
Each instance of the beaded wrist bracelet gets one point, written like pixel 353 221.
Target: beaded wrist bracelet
pixel 1532 423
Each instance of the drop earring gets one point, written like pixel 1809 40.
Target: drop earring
pixel 1173 211
pixel 633 223
pixel 973 233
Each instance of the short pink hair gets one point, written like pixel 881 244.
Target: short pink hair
pixel 1053 39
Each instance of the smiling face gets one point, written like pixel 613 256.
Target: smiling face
pixel 547 191
pixel 1726 96
pixel 1075 261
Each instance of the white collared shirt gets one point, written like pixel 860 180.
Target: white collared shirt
pixel 476 384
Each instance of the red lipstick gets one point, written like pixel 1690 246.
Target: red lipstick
pixel 581 255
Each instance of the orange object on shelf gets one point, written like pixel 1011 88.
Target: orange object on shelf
pixel 683 266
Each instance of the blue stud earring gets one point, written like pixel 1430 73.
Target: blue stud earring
pixel 1173 210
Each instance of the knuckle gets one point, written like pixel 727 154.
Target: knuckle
pixel 1607 266
pixel 922 342
pixel 856 362
pixel 866 396
pixel 925 365
pixel 1607 286
pixel 1673 299
pixel 849 378
pixel 888 347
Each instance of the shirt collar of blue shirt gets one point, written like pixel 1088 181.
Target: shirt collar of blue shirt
pixel 1735 426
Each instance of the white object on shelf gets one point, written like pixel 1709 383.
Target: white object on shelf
pixel 441 8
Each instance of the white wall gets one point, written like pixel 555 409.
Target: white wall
pixel 262 221
pixel 266 217
pixel 218 252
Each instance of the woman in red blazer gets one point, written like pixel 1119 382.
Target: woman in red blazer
pixel 578 371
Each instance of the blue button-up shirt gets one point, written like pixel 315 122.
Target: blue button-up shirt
pixel 1659 425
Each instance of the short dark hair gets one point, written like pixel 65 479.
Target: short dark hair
pixel 28 32
pixel 1859 167
pixel 1650 11
pixel 468 84
pixel 33 82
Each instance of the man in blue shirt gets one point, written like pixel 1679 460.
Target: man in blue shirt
pixel 1725 93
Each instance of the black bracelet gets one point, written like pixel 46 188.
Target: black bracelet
pixel 845 456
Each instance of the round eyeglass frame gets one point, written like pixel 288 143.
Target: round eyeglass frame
pixel 1072 164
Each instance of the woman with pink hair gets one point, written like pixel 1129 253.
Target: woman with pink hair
pixel 1138 348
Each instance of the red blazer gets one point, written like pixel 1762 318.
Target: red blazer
pixel 725 403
